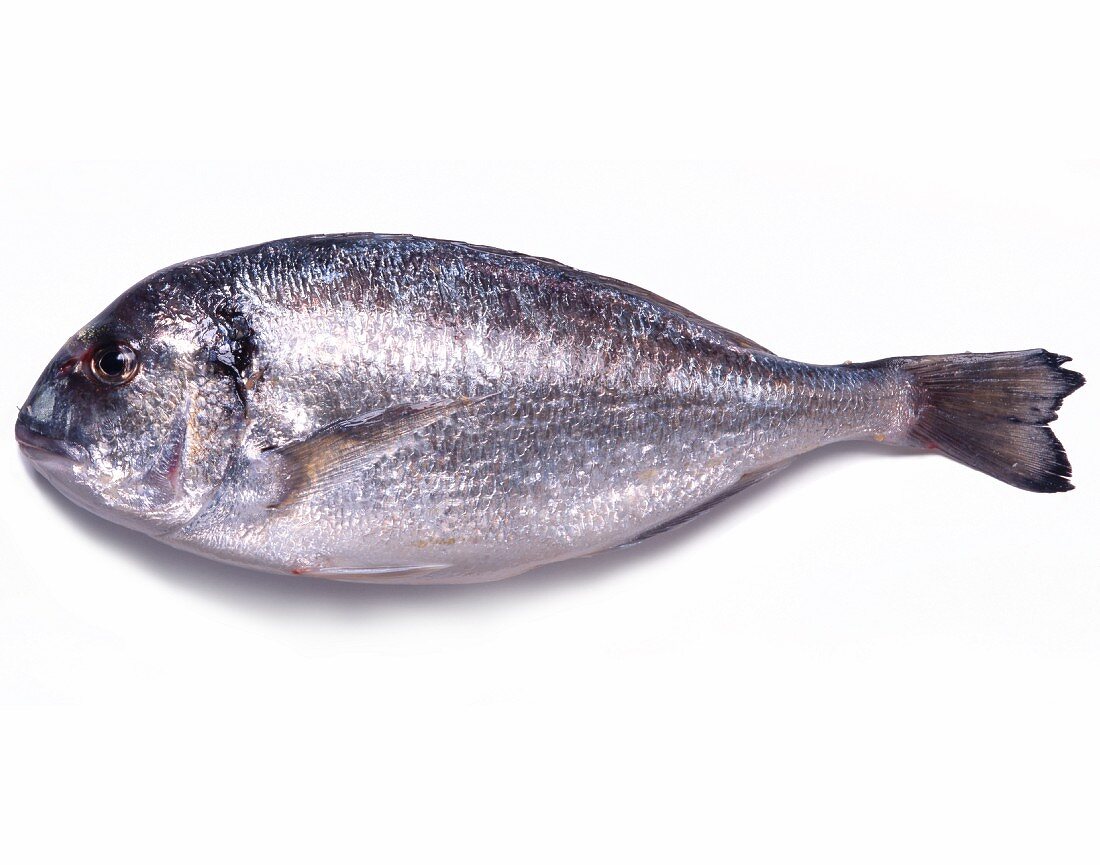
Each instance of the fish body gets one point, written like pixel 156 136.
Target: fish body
pixel 401 409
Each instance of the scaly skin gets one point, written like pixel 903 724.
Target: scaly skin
pixel 580 412
pixel 608 412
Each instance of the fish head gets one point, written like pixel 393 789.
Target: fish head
pixel 135 418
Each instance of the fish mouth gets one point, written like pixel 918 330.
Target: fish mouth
pixel 40 448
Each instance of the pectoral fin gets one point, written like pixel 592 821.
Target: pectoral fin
pixel 336 453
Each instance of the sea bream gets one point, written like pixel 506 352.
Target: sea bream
pixel 392 408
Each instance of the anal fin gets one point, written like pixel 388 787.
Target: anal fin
pixel 747 480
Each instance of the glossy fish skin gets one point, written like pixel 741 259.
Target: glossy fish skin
pixel 408 410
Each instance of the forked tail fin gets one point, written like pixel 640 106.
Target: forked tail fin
pixel 990 411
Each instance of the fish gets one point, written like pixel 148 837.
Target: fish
pixel 396 409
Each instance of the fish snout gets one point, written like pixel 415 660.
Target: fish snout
pixel 41 445
pixel 47 427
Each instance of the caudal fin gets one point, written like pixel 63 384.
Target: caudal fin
pixel 990 411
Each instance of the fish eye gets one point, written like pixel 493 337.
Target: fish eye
pixel 115 363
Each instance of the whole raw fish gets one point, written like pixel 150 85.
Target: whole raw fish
pixel 394 408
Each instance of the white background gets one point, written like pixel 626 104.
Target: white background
pixel 872 658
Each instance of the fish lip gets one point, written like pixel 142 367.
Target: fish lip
pixel 41 448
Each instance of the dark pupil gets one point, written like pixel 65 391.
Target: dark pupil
pixel 113 363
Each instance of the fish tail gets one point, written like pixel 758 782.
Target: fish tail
pixel 991 412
